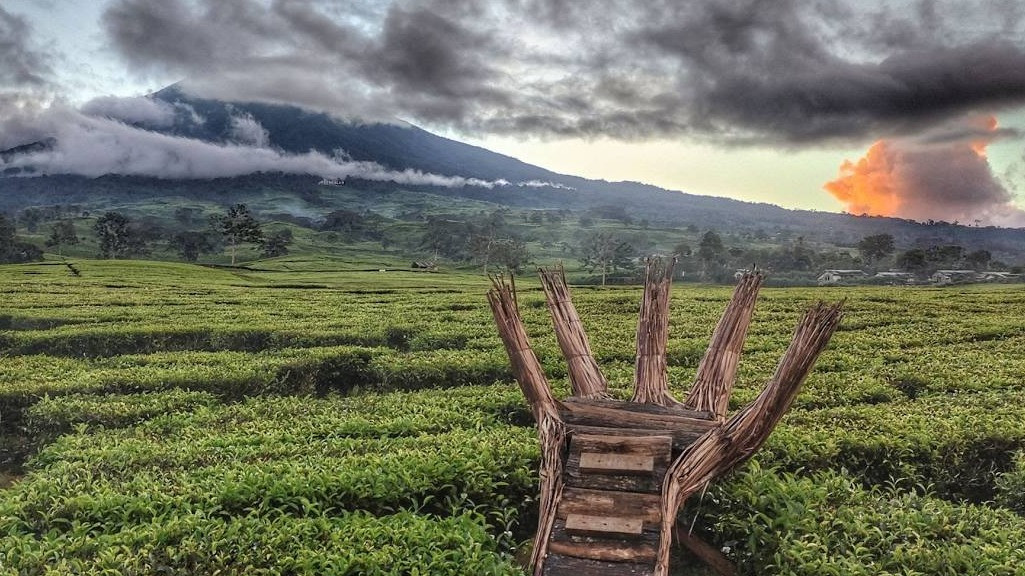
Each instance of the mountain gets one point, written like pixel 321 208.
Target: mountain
pixel 400 146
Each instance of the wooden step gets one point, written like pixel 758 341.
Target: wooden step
pixel 611 526
pixel 606 551
pixel 600 463
pixel 559 565
pixel 624 463
pixel 648 507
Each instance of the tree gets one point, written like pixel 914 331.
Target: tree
pixel 913 260
pixel 876 247
pixel 277 243
pixel 682 249
pixel 13 251
pixel 113 232
pixel 510 253
pixel 605 252
pixel 446 238
pixel 711 252
pixel 238 226
pixel 192 243
pixel 31 217
pixel 62 233
pixel 978 260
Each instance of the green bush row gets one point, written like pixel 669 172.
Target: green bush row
pixel 194 542
pixel 958 445
pixel 24 380
pixel 828 523
pixel 276 456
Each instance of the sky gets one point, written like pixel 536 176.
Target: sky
pixel 913 108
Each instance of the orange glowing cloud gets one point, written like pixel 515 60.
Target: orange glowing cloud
pixel 868 186
pixel 944 175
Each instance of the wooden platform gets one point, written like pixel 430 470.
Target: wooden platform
pixel 608 519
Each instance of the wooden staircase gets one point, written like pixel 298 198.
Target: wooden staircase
pixel 614 473
pixel 607 521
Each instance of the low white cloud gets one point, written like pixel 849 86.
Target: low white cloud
pixel 94 146
pixel 247 130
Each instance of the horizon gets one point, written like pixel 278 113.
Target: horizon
pixel 922 124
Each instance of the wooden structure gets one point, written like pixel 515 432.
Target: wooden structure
pixel 614 473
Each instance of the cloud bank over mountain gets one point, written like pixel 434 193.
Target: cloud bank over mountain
pixel 729 70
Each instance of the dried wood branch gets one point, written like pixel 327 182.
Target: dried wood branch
pixel 651 383
pixel 585 377
pixel 718 368
pixel 550 429
pixel 726 446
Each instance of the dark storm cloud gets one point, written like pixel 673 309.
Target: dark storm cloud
pixel 784 71
pixel 21 64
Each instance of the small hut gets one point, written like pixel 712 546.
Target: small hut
pixel 615 473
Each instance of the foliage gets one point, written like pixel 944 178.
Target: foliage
pixel 237 226
pixel 12 250
pixel 193 243
pixel 179 415
pixel 62 234
pixel 605 253
pixel 276 244
pixel 115 235
pixel 876 247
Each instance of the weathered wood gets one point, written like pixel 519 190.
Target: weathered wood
pixel 598 463
pixel 621 414
pixel 654 446
pixel 726 446
pixel 651 382
pixel 609 502
pixel 559 565
pixel 608 552
pixel 707 553
pixel 717 371
pixel 585 377
pixel 658 448
pixel 681 438
pixel 604 525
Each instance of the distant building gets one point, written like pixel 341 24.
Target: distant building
pixel 840 276
pixel 896 277
pixel 998 277
pixel 944 277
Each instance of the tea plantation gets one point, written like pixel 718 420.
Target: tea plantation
pixel 166 418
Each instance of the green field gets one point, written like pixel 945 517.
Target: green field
pixel 311 418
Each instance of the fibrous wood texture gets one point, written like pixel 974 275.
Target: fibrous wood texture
pixel 718 368
pixel 585 377
pixel 534 385
pixel 614 473
pixel 651 383
pixel 725 446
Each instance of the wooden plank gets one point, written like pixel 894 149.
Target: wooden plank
pixel 604 525
pixel 610 502
pixel 608 552
pixel 617 414
pixel 681 438
pixel 559 565
pixel 658 448
pixel 708 554
pixel 655 446
pixel 603 463
pixel 639 408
